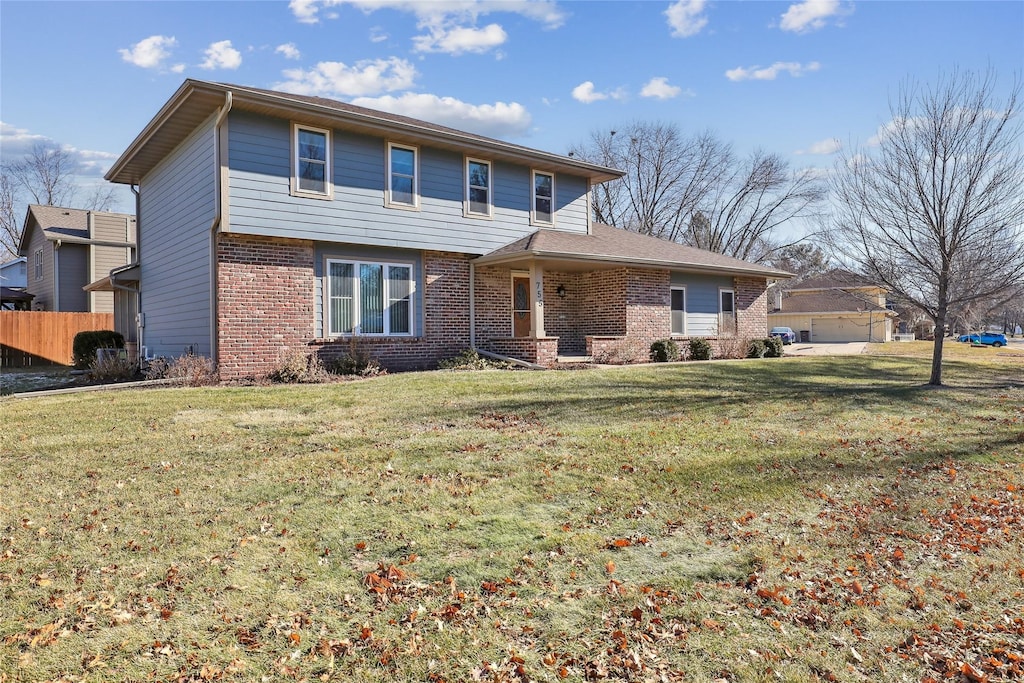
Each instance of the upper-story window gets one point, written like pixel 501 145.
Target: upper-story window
pixel 478 188
pixel 403 177
pixel 39 264
pixel 311 148
pixel 543 199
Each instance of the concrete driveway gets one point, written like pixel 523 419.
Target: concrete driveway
pixel 825 349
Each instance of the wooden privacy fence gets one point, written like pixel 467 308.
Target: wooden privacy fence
pixel 44 337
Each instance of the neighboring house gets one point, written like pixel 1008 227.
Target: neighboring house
pixel 838 306
pixel 13 278
pixel 270 221
pixel 67 249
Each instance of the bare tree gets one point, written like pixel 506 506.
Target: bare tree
pixel 10 229
pixel 696 190
pixel 46 173
pixel 936 213
pixel 802 259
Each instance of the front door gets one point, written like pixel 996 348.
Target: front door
pixel 520 306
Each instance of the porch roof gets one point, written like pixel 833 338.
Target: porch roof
pixel 606 246
pixel 121 274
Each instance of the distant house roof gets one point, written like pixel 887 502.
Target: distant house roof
pixel 614 246
pixel 14 294
pixel 195 101
pixel 828 301
pixel 836 279
pixel 63 223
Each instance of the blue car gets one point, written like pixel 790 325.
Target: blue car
pixel 786 334
pixel 988 338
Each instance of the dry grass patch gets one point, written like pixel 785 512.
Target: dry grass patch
pixel 803 519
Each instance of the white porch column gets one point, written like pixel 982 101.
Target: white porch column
pixel 537 297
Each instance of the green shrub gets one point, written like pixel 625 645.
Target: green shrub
pixel 664 351
pixel 700 349
pixel 756 349
pixel 773 347
pixel 83 349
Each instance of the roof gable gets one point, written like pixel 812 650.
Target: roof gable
pixel 58 223
pixel 195 101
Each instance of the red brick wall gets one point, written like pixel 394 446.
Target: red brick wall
pixel 493 289
pixel 543 351
pixel 648 301
pixel 751 307
pixel 602 309
pixel 265 301
pixel 561 315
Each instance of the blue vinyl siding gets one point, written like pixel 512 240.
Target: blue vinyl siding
pixel 260 203
pixel 177 209
pixel 701 301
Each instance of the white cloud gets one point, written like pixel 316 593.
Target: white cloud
pixel 149 53
pixel 439 12
pixel 809 15
pixel 498 120
pixel 659 88
pixel 337 79
pixel 178 68
pixel 686 18
pixel 288 50
pixel 221 55
pixel 461 39
pixel 826 146
pixel 585 93
pixel 17 142
pixel 378 35
pixel 756 73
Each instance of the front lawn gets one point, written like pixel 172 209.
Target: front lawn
pixel 796 519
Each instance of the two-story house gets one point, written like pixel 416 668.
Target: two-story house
pixel 269 221
pixel 837 306
pixel 66 249
pixel 13 284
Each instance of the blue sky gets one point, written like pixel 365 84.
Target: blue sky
pixel 798 78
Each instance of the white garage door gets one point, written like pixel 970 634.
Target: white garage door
pixel 840 329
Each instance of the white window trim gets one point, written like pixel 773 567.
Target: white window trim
pixel 681 288
pixel 295 190
pixel 356 322
pixel 721 291
pixel 466 210
pixel 39 264
pixel 389 201
pixel 533 199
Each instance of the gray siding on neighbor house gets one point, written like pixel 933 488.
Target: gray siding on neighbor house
pixel 73 262
pixel 104 260
pixel 702 302
pixel 177 209
pixel 324 251
pixel 41 287
pixel 260 202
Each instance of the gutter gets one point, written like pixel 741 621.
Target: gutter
pixel 56 275
pixel 649 263
pixel 218 190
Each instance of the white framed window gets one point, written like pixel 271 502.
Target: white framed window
pixel 369 298
pixel 403 177
pixel 678 311
pixel 39 264
pixel 543 205
pixel 726 312
pixel 478 188
pixel 311 162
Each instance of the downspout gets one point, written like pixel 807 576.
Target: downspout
pixel 472 306
pixel 140 329
pixel 56 275
pixel 218 189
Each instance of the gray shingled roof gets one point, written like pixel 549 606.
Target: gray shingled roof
pixel 60 223
pixel 616 246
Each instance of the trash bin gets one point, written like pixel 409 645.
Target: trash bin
pixel 805 336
